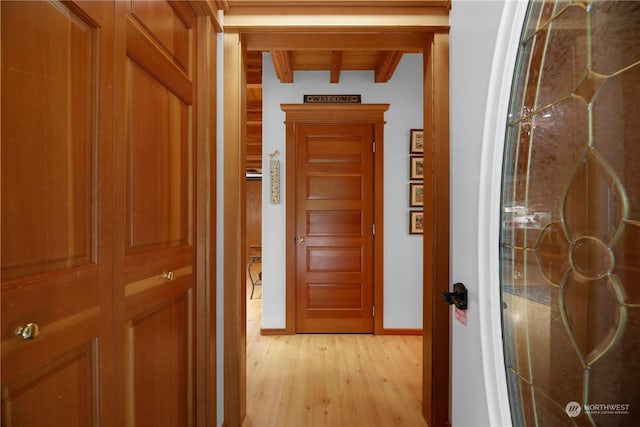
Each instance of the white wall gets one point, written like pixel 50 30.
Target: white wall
pixel 402 252
pixel 479 387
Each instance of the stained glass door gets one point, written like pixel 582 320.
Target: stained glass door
pixel 570 229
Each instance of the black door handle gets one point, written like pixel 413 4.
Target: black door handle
pixel 457 297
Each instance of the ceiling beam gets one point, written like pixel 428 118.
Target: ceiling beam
pixel 336 65
pixel 282 65
pixel 337 15
pixel 265 41
pixel 387 65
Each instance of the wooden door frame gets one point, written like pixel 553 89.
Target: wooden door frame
pixel 431 37
pixel 333 113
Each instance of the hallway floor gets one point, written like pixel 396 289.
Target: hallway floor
pixel 331 380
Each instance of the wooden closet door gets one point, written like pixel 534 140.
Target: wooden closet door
pixel 56 213
pixel 156 202
pixel 334 227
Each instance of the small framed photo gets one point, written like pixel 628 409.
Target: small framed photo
pixel 416 141
pixel 416 222
pixel 416 194
pixel 416 167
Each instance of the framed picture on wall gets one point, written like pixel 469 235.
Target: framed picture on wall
pixel 416 145
pixel 416 167
pixel 416 222
pixel 416 194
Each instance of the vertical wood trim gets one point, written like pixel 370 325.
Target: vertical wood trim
pixel 290 229
pixel 378 220
pixel 436 365
pixel 235 343
pixel 212 231
pixel 122 396
pixel 205 217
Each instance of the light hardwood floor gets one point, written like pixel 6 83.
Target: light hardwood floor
pixel 331 380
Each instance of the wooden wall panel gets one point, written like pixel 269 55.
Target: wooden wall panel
pixel 59 396
pixel 158 174
pixel 56 213
pixel 168 26
pixel 161 362
pixel 47 107
pixel 158 186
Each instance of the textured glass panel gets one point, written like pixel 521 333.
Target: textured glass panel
pixel 614 46
pixel 570 238
pixel 559 137
pixel 565 59
pixel 627 267
pixel 616 131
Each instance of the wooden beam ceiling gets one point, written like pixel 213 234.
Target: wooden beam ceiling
pixel 329 36
pixel 387 65
pixel 335 52
pixel 336 65
pixel 282 64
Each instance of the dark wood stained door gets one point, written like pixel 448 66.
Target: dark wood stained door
pixel 155 246
pixel 334 227
pixel 56 214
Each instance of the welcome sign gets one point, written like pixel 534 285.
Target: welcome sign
pixel 332 99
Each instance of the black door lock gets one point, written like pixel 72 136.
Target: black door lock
pixel 457 297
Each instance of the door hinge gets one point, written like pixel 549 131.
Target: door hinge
pixel 373 311
pixel 373 229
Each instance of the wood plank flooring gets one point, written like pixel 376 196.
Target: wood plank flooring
pixel 331 380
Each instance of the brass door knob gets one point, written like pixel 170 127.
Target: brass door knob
pixel 28 331
pixel 300 239
pixel 168 275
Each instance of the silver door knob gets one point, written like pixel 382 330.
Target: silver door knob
pixel 28 331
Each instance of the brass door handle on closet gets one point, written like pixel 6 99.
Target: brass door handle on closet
pixel 28 331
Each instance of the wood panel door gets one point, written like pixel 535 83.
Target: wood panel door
pixel 334 227
pixel 56 214
pixel 155 199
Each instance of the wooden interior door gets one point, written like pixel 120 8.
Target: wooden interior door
pixel 334 227
pixel 56 211
pixel 156 159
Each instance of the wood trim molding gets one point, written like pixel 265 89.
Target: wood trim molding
pixel 207 8
pixel 315 40
pixel 332 14
pixel 143 49
pixel 436 396
pixel 334 113
pixel 337 3
pixel 402 331
pixel 222 4
pixel 206 333
pixel 378 220
pixel 406 28
pixel 271 331
pixel 235 329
